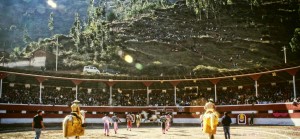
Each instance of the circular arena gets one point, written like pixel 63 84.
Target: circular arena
pixel 191 69
pixel 273 116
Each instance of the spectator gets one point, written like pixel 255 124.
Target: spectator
pixel 51 95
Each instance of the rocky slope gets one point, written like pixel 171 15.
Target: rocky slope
pixel 173 41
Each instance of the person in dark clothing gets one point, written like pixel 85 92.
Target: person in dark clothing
pixel 37 124
pixel 163 120
pixel 226 121
pixel 251 118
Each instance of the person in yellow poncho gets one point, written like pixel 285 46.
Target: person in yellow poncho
pixel 210 119
pixel 76 110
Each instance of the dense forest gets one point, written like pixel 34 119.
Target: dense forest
pixel 153 37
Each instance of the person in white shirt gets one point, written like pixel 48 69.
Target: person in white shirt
pixel 106 121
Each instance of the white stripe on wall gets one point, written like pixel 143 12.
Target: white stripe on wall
pixel 244 112
pixel 257 121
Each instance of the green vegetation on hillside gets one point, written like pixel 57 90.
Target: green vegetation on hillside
pixel 186 38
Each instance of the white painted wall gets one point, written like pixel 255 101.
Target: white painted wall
pixel 35 62
pixel 278 121
pixel 48 120
pixel 257 121
pixel 195 120
pixel 186 120
pixel 17 64
pixel 38 61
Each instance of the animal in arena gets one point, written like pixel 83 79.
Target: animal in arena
pixel 150 116
pixel 210 120
pixel 73 126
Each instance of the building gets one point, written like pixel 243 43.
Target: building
pixel 39 59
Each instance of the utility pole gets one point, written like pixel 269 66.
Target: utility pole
pixel 3 59
pixel 284 52
pixel 56 53
pixel 3 52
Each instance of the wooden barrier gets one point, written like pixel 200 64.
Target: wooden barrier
pixel 269 111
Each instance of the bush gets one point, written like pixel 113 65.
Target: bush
pixel 111 16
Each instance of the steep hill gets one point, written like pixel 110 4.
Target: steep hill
pixel 174 41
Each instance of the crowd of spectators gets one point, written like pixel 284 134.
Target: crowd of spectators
pixel 30 94
pixel 19 94
pixel 266 94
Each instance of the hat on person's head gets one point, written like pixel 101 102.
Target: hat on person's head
pixel 210 100
pixel 76 101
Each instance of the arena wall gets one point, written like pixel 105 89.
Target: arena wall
pixel 264 114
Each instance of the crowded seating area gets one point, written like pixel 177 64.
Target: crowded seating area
pixel 30 94
pixel 267 94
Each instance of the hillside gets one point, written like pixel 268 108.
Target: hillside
pixel 173 41
pixel 20 17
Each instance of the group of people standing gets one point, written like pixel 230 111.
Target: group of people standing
pixel 209 120
pixel 165 120
pixel 131 118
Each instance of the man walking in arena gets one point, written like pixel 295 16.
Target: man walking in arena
pixel 168 122
pixel 226 121
pixel 138 120
pixel 37 124
pixel 129 119
pixel 115 119
pixel 163 120
pixel 106 121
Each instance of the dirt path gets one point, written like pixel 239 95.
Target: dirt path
pixel 178 132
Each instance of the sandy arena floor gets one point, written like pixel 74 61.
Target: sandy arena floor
pixel 176 132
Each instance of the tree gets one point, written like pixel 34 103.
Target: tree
pixel 51 23
pixel 254 3
pixel 295 41
pixel 196 6
pixel 15 54
pixel 91 12
pixel 51 28
pixel 26 37
pixel 111 16
pixel 75 31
